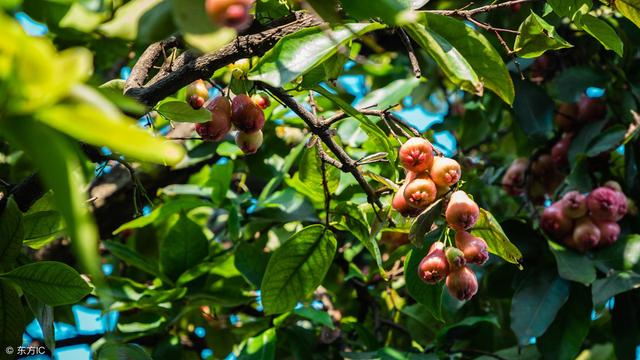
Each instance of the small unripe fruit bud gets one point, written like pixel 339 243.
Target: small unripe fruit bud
pixel 586 235
pixel 197 93
pixel 420 192
pixel 574 204
pixel 196 101
pixel 606 204
pixel 433 267
pixel 613 185
pixel 560 151
pixel 609 232
pixel 445 171
pixel 462 212
pixel 462 283
pixel 416 154
pixel 261 100
pixel 513 179
pixel 474 248
pixel 249 143
pixel 591 109
pixel 455 258
pixel 399 203
pixel 231 13
pixel 246 116
pixel 220 123
pixel 566 116
pixel 554 222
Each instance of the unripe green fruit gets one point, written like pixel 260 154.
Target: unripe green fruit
pixel 474 248
pixel 416 154
pixel 462 284
pixel 198 88
pixel 246 116
pixel 455 258
pixel 462 212
pixel 240 68
pixel 445 171
pixel 420 192
pixel 249 143
pixel 231 13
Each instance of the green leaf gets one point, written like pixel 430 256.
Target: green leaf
pixel 220 181
pixel 421 225
pixel 180 111
pixel 630 9
pixel 614 284
pixel 133 258
pixel 268 10
pixel 297 53
pixel 42 227
pixel 251 261
pixel 316 316
pixel 467 322
pixel 537 36
pixel 569 8
pixel 44 315
pixel 624 254
pixel 390 11
pixel 585 136
pixel 449 59
pixel 297 268
pixel 59 166
pixel 491 232
pixel 12 317
pixel 572 265
pixel 183 247
pixel 101 124
pixel 51 282
pixel 533 109
pixel 163 212
pixel 536 303
pixel 485 60
pixel 564 338
pixel 11 234
pixel 428 295
pixel 308 179
pixel 602 32
pixel 260 347
pixel 570 84
pixel 125 21
pixel 117 351
pixel 389 95
pixel 610 139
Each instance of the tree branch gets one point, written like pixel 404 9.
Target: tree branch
pixel 467 13
pixel 170 80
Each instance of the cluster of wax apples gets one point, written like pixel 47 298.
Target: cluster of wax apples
pixel 243 113
pixel 586 221
pixel 428 179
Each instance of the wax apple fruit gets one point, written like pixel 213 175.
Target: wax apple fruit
pixel 462 212
pixel 249 143
pixel 434 267
pixel 261 100
pixel 566 116
pixel 514 177
pixel 445 171
pixel 474 248
pixel 574 205
pixel 591 109
pixel 555 222
pixel 586 234
pixel 231 13
pixel 246 115
pixel 416 154
pixel 420 192
pixel 197 93
pixel 399 203
pixel 462 283
pixel 455 258
pixel 609 232
pixel 220 123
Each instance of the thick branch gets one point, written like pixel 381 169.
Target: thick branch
pixel 204 66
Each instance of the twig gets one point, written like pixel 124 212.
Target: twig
pixel 415 65
pixel 464 13
pixel 325 185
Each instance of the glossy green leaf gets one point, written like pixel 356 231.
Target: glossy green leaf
pixel 537 36
pixel 491 232
pixel 630 9
pixel 51 282
pixel 260 347
pixel 297 268
pixel 126 18
pixel 564 338
pixel 609 139
pixel 44 315
pixel 392 94
pixel 116 351
pixel 533 109
pixel 267 10
pixel 390 11
pixel 603 32
pixel 12 316
pixel 485 60
pixel 624 254
pixel 421 225
pixel 219 181
pixel 582 140
pixel 568 85
pixel 467 322
pixel 198 29
pixel 163 212
pixel 297 53
pixel 316 316
pixel 536 302
pixel 573 265
pixel 448 58
pixel 183 247
pixel 180 111
pixel 42 227
pixel 133 258
pixel 569 8
pixel 11 234
pixel 614 284
pixel 101 124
